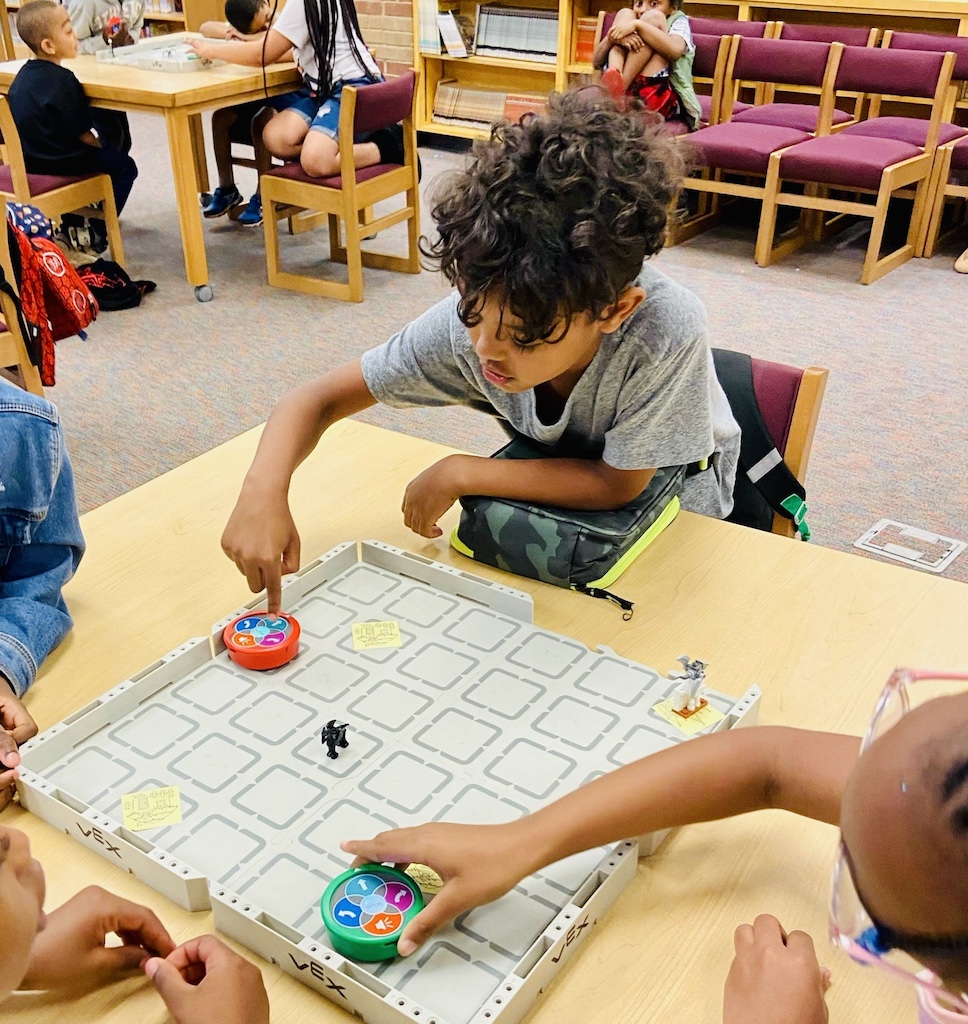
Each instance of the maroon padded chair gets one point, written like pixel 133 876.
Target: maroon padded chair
pixel 862 164
pixel 950 182
pixel 709 68
pixel 345 196
pixel 728 27
pixel 913 130
pixel 849 35
pixel 784 62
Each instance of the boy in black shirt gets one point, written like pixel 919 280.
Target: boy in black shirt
pixel 52 114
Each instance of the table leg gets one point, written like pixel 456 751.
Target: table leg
pixel 198 148
pixel 183 168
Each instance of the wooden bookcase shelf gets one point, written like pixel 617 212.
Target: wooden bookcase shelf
pixel 501 73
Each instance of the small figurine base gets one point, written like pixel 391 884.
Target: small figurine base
pixel 261 641
pixel 366 909
pixel 688 714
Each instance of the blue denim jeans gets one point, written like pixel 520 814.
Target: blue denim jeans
pixel 40 536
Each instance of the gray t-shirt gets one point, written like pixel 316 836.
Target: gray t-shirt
pixel 649 398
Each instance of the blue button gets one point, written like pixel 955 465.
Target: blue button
pixel 363 885
pixel 347 914
pixel 249 622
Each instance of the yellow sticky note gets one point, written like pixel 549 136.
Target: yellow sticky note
pixel 694 723
pixel 151 808
pixel 369 635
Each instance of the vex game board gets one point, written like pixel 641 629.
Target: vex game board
pixel 456 708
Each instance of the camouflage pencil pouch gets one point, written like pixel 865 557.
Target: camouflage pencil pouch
pixel 583 550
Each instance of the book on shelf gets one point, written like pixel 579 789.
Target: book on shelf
pixel 474 107
pixel 521 33
pixel 585 32
pixel 428 31
pixel 451 34
pixel 517 104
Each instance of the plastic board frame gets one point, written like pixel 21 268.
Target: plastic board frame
pixel 477 715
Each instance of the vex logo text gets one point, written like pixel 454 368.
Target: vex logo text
pixel 99 837
pixel 317 972
pixel 573 932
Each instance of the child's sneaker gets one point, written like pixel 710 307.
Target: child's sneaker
pixel 251 216
pixel 225 198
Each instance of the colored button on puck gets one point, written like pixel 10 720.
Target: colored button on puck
pixel 260 641
pixel 366 909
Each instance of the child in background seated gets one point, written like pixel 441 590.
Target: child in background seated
pixel 325 39
pixel 556 327
pixel 246 20
pixel 40 547
pixel 648 54
pixel 902 874
pixel 201 982
pixel 52 114
pixel 97 28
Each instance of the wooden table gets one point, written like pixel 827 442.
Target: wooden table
pixel 181 99
pixel 817 629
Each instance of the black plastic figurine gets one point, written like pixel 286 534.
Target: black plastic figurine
pixel 334 735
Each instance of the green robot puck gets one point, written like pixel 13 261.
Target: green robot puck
pixel 366 909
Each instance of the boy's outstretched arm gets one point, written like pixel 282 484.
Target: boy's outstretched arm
pixel 251 54
pixel 260 536
pixel 703 779
pixel 567 483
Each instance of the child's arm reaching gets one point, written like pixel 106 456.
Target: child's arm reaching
pixel 704 779
pixel 255 54
pixel 260 536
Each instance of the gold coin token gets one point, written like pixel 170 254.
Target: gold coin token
pixel 429 881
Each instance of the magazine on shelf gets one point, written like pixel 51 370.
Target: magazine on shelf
pixel 475 107
pixel 451 34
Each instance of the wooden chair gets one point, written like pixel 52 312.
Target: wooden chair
pixel 732 157
pixel 950 181
pixel 288 190
pixel 863 159
pixel 15 363
pixel 789 400
pixel 56 194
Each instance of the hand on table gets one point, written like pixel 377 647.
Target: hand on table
pixel 203 981
pixel 775 978
pixel 70 951
pixel 203 48
pixel 429 495
pixel 261 538
pixel 478 864
pixel 16 727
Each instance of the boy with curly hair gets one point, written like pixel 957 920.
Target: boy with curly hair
pixel 556 327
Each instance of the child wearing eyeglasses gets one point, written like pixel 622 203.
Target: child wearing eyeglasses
pixel 201 981
pixel 900 798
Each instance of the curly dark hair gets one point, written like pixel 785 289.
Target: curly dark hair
pixel 555 215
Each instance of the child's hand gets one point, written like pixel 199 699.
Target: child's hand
pixel 203 48
pixel 116 33
pixel 429 495
pixel 261 538
pixel 70 952
pixel 774 978
pixel 478 863
pixel 16 727
pixel 204 981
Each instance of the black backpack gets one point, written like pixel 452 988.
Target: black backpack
pixel 772 487
pixel 109 283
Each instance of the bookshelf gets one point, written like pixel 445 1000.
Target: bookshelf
pixel 575 18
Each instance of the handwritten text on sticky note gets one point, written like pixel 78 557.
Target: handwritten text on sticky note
pixel 694 723
pixel 151 808
pixel 370 635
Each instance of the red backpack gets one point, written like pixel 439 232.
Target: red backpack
pixel 55 300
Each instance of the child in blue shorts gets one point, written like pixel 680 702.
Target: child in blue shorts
pixel 245 21
pixel 328 48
